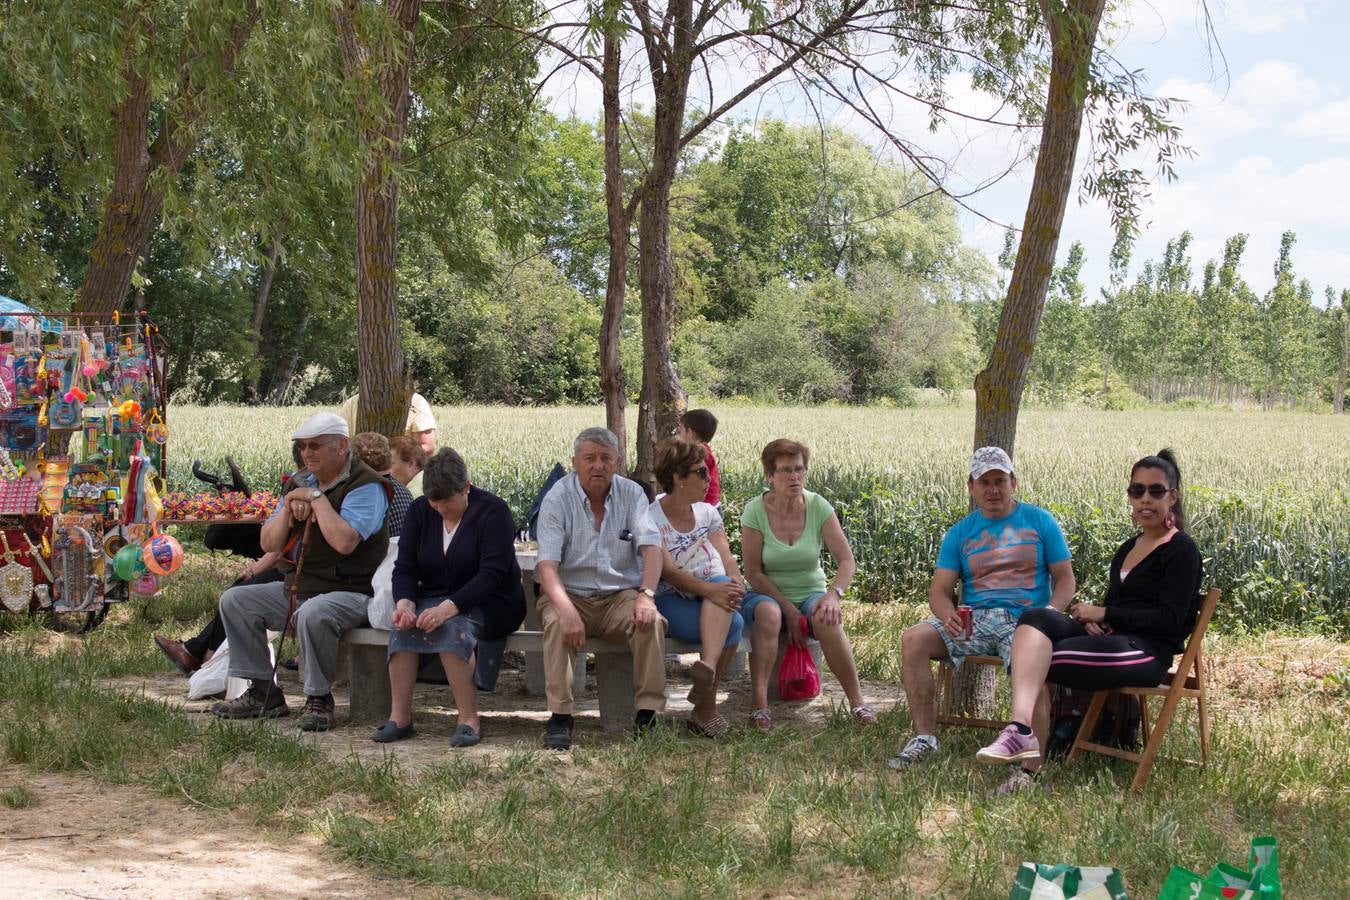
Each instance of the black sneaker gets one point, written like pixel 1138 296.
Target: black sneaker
pixel 558 734
pixel 254 703
pixel 644 722
pixel 319 714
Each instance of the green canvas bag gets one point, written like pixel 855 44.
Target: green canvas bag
pixel 1259 881
pixel 1041 882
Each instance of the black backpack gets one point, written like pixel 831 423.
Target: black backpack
pixel 1117 726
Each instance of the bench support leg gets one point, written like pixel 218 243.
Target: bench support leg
pixel 368 683
pixel 534 675
pixel 614 687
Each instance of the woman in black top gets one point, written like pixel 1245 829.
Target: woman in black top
pixel 457 593
pixel 1150 607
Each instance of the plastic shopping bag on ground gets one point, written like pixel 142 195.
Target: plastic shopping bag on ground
pixel 797 676
pixel 213 678
pixel 1259 881
pixel 1040 882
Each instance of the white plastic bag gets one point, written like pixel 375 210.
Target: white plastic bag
pixel 381 609
pixel 212 679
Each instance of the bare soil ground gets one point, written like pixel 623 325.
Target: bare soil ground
pixel 82 838
pixel 512 720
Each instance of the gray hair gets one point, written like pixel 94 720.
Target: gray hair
pixel 445 475
pixel 597 435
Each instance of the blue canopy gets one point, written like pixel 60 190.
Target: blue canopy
pixel 9 323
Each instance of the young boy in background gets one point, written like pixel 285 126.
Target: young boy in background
pixel 700 425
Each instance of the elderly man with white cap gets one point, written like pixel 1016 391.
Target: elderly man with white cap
pixel 1010 557
pixel 421 425
pixel 331 531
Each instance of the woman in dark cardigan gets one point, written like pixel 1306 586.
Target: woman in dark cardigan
pixel 457 593
pixel 1152 599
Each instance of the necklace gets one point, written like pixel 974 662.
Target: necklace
pixel 16 580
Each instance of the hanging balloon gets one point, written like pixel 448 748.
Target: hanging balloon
pixel 162 554
pixel 128 564
pixel 145 585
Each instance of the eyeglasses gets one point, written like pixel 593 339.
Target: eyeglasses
pixel 701 472
pixel 790 470
pixel 305 446
pixel 1155 491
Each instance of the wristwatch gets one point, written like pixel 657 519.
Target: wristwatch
pixel 838 590
pixel 651 594
pixel 315 495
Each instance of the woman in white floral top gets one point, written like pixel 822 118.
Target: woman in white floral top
pixel 701 584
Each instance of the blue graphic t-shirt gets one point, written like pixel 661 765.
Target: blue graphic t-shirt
pixel 1004 562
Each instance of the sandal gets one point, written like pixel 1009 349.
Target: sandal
pixel 761 719
pixel 713 728
pixel 702 675
pixel 864 715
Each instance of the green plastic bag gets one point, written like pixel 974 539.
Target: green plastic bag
pixel 1040 882
pixel 1259 881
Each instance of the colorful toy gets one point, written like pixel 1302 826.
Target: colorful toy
pixel 162 554
pixel 145 585
pixel 129 562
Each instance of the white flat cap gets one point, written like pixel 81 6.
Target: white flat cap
pixel 320 424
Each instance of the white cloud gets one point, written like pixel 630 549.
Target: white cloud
pixel 1154 19
pixel 1330 122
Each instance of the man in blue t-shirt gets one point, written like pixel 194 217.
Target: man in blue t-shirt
pixel 1009 557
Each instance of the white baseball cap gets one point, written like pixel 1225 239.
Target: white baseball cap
pixel 987 458
pixel 321 424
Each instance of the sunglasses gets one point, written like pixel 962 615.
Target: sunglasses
pixel 701 472
pixel 304 446
pixel 1155 491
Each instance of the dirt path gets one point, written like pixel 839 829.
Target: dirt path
pixel 512 719
pixel 81 838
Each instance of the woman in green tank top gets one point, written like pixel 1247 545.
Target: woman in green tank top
pixel 782 534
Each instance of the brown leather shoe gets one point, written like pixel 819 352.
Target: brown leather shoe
pixel 178 654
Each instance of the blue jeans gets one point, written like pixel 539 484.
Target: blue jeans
pixel 753 599
pixel 683 613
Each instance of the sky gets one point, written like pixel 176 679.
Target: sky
pixel 1266 114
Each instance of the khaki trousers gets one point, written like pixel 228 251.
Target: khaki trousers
pixel 608 617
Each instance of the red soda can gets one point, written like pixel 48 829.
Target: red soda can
pixel 966 615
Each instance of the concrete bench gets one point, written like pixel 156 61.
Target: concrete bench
pixel 367 672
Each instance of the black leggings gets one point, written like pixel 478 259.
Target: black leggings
pixel 1092 662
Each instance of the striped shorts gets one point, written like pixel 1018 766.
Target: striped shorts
pixel 1093 662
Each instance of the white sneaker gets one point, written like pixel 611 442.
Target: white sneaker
pixel 918 747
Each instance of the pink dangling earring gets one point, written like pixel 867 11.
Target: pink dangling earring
pixel 1169 520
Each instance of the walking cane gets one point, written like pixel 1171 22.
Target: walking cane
pixel 292 595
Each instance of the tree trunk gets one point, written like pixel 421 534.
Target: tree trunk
pixel 1343 371
pixel 382 375
pixel 287 363
pixel 611 322
pixel 260 296
pixel 998 388
pixel 662 399
pixel 131 212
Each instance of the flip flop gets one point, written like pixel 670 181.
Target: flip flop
pixel 702 675
pixel 713 728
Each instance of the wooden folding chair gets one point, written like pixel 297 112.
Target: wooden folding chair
pixel 1185 680
pixel 948 714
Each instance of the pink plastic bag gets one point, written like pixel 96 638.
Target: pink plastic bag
pixel 798 678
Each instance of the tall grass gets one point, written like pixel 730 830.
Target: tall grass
pixel 1268 503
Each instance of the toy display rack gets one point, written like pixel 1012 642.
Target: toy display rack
pixel 83 440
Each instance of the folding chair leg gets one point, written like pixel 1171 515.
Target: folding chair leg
pixel 1204 728
pixel 1155 740
pixel 1089 722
